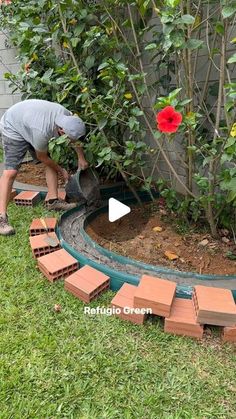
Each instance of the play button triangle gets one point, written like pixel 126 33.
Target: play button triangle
pixel 117 210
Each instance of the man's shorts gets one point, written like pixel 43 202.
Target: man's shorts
pixel 15 151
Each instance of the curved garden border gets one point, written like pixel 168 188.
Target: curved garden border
pixel 118 277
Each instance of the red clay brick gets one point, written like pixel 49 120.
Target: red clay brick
pixel 57 265
pixel 87 283
pixel 214 306
pixel 229 334
pixel 93 275
pixel 125 298
pixel 155 293
pixel 27 198
pixel 182 320
pixel 37 227
pixel 40 246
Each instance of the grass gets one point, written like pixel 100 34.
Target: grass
pixel 69 365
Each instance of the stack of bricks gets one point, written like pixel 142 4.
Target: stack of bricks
pixel 182 320
pixel 214 306
pixel 123 305
pixel 27 199
pixel 58 264
pixel 156 294
pixel 87 283
pixel 152 295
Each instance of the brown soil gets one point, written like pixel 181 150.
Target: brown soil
pixel 34 174
pixel 150 246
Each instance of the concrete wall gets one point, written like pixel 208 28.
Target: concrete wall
pixel 8 64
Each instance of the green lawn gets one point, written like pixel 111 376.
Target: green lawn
pixel 68 365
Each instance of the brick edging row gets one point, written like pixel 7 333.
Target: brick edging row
pixel 181 316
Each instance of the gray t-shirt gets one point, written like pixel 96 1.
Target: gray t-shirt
pixel 32 120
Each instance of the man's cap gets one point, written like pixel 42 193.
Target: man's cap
pixel 73 126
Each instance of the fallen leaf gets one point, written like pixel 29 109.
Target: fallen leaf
pixel 203 242
pixel 57 308
pixel 157 229
pixel 171 255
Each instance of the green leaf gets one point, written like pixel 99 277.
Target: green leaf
pixel 150 47
pixel 47 75
pixel 128 162
pixel 177 37
pixel 228 11
pixel 172 3
pixel 187 19
pixel 184 102
pixel 229 106
pixel 232 59
pixel 63 139
pixel 231 141
pixel 74 42
pixel 174 93
pixel 79 29
pixel 133 122
pixel 102 123
pixel 229 186
pixel 89 62
pixel 193 44
pixel 230 255
pixel 62 95
pixel 103 65
pixel 219 27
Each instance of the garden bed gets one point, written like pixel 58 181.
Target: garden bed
pixel 35 175
pixel 194 250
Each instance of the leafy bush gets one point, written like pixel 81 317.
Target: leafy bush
pixel 90 58
pixel 62 153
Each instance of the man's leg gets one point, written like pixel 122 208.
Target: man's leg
pixel 14 152
pixel 52 183
pixel 6 183
pixel 53 202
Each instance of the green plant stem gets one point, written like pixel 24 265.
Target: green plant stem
pixel 213 163
pixel 161 148
pixel 128 183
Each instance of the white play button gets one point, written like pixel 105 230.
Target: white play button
pixel 117 210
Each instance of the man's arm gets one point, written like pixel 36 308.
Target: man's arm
pixel 43 157
pixel 82 163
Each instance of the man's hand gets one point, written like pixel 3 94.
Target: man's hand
pixel 83 164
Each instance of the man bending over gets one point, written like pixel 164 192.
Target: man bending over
pixel 28 126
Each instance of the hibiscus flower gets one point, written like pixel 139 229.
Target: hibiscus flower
pixel 168 120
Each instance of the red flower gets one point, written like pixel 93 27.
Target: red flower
pixel 168 120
